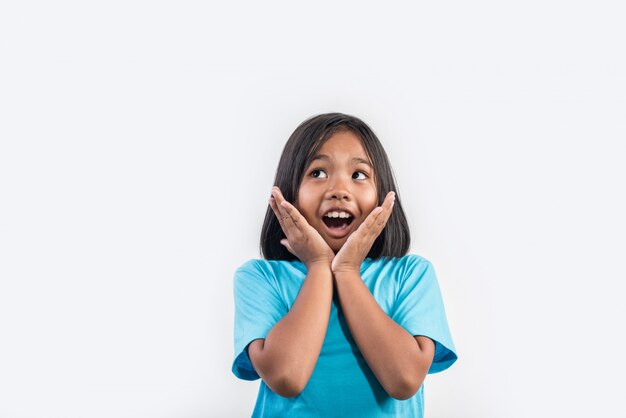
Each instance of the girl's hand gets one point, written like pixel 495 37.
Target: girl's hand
pixel 359 243
pixel 303 240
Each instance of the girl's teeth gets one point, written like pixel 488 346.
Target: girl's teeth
pixel 337 215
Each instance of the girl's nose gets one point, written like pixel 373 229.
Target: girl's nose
pixel 339 195
pixel 338 190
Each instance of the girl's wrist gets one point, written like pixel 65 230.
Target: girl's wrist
pixel 318 264
pixel 346 271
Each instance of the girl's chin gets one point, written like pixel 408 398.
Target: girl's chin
pixel 336 245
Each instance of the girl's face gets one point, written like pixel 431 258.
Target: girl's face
pixel 340 179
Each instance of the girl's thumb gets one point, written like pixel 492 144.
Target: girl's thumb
pixel 285 242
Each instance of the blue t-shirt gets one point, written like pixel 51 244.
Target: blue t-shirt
pixel 342 384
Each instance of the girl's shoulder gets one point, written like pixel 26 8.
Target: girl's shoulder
pixel 271 269
pixel 268 269
pixel 261 263
pixel 408 268
pixel 409 260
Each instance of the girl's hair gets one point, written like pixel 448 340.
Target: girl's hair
pixel 303 144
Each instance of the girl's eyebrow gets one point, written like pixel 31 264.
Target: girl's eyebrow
pixel 352 160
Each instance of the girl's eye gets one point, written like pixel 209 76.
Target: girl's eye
pixel 317 174
pixel 357 173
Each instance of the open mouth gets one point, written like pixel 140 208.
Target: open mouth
pixel 337 224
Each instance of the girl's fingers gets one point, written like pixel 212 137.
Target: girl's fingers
pixel 377 219
pixel 285 212
pixel 387 206
pixel 294 215
pixel 279 215
pixel 289 210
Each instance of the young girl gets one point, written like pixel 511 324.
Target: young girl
pixel 337 320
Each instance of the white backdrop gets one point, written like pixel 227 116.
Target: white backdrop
pixel 139 141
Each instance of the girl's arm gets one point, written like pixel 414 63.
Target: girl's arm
pixel 399 361
pixel 285 359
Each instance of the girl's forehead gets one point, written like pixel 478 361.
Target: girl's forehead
pixel 344 144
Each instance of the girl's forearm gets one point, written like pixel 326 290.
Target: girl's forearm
pixel 286 358
pixel 393 355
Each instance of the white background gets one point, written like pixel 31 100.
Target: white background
pixel 139 142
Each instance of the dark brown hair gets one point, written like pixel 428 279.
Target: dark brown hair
pixel 302 145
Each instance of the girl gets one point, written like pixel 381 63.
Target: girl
pixel 337 320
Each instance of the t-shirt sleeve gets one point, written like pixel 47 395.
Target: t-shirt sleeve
pixel 419 309
pixel 258 307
